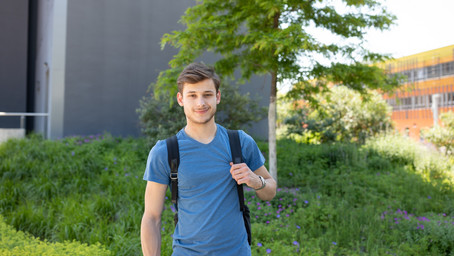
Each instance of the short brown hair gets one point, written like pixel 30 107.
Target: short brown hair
pixel 197 72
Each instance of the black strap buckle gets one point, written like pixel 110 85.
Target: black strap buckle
pixel 174 176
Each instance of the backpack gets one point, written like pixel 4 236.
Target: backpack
pixel 174 161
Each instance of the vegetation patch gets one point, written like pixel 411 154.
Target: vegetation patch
pixel 18 243
pixel 389 196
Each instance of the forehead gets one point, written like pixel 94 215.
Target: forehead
pixel 202 86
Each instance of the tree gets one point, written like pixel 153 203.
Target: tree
pixel 344 115
pixel 273 37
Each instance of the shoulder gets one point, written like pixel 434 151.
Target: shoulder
pixel 246 139
pixel 159 150
pixel 242 134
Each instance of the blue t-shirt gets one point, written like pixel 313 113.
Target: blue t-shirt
pixel 209 219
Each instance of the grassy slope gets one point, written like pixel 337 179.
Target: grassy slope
pixel 388 197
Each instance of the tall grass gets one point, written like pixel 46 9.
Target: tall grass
pixel 389 196
pixel 85 189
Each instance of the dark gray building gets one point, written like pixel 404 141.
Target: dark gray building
pixel 87 63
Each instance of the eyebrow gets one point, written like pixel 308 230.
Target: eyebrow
pixel 201 92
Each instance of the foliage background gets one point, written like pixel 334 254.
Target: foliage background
pixel 341 114
pixel 389 196
pixel 442 136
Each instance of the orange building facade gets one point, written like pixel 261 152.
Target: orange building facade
pixel 429 83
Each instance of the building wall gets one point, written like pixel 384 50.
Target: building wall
pixel 426 74
pixel 113 54
pixel 13 59
pixel 92 61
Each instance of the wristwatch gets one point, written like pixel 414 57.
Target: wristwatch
pixel 263 182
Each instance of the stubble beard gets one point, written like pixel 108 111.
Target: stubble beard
pixel 195 121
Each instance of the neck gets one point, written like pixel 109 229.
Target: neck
pixel 204 133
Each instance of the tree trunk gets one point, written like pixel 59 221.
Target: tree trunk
pixel 272 149
pixel 272 128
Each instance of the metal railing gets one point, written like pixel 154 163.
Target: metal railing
pixel 22 116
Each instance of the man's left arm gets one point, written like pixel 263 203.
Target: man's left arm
pixel 265 190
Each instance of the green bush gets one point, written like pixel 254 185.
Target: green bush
pixel 404 151
pixel 443 136
pixel 88 189
pixel 18 243
pixel 337 199
pixel 341 115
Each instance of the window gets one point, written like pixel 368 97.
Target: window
pixel 449 99
pixel 447 68
pixel 433 71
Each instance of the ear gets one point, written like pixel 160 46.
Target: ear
pixel 180 99
pixel 218 97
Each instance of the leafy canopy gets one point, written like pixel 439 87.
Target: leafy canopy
pixel 274 37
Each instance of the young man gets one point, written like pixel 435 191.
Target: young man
pixel 209 218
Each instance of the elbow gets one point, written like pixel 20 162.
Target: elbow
pixel 270 192
pixel 151 221
pixel 270 196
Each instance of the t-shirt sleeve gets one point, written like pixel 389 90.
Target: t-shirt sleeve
pixel 157 169
pixel 251 153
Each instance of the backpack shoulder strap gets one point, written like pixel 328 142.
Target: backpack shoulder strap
pixel 173 155
pixel 235 148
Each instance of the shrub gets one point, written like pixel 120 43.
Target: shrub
pixel 331 199
pixel 404 151
pixel 88 189
pixel 341 115
pixel 443 136
pixel 18 243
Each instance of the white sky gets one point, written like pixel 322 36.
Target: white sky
pixel 421 25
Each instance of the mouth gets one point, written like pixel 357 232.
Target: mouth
pixel 201 111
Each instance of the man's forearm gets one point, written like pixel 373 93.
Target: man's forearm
pixel 269 191
pixel 151 237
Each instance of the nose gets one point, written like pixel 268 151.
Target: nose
pixel 200 102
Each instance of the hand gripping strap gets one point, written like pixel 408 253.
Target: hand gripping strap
pixel 235 148
pixel 173 155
